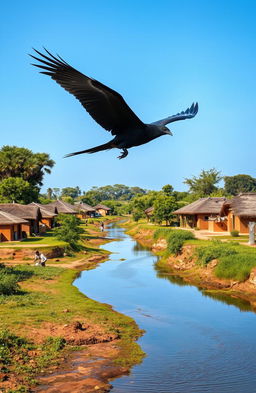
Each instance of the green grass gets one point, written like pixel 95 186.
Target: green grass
pixel 238 267
pixel 44 294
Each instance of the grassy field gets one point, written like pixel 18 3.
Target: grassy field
pixel 32 297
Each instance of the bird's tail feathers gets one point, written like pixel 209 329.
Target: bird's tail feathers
pixel 105 146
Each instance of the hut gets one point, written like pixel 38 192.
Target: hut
pixel 102 210
pixel 205 213
pixel 31 214
pixel 240 210
pixel 10 227
pixel 62 207
pixel 48 214
pixel 149 212
pixel 84 210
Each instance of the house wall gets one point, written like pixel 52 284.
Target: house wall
pixel 215 226
pixel 102 212
pixel 48 222
pixel 202 223
pixel 238 223
pixel 26 228
pixel 6 233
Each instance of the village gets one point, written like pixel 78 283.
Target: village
pixel 209 215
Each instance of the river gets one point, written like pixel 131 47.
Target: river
pixel 193 342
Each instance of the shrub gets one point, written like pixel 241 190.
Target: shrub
pixel 236 267
pixel 8 281
pixel 216 249
pixel 234 233
pixel 175 238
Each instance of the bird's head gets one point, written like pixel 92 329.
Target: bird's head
pixel 166 131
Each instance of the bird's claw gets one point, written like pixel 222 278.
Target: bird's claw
pixel 124 154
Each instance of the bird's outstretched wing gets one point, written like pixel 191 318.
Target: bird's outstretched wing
pixel 106 106
pixel 187 114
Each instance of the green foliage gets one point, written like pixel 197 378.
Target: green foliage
pixel 10 344
pixel 54 344
pixel 236 267
pixel 164 205
pixel 15 189
pixel 175 238
pixel 21 162
pixel 116 192
pixel 205 184
pixel 137 214
pixel 234 233
pixel 72 192
pixel 168 189
pixel 69 230
pixel 239 183
pixel 215 250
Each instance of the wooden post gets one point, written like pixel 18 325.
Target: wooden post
pixel 251 233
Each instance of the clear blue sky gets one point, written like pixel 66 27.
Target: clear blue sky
pixel 161 56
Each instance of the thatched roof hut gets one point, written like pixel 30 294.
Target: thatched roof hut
pixel 46 212
pixel 243 205
pixel 62 207
pixel 27 212
pixel 10 219
pixel 102 207
pixel 84 207
pixel 210 205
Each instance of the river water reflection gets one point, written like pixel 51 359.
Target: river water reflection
pixel 194 342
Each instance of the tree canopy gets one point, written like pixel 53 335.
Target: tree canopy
pixel 239 183
pixel 205 184
pixel 15 189
pixel 21 162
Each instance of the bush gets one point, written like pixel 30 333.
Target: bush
pixel 234 233
pixel 236 267
pixel 175 238
pixel 216 249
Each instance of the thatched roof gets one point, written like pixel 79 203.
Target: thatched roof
pixel 10 219
pixel 45 211
pixel 27 212
pixel 243 205
pixel 62 207
pixel 103 207
pixel 84 207
pixel 149 210
pixel 203 206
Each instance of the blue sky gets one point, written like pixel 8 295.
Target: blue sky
pixel 161 56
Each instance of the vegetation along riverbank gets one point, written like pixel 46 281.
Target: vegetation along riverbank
pixel 48 326
pixel 219 267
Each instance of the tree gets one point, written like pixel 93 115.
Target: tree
pixel 239 183
pixel 69 230
pixel 164 205
pixel 21 162
pixel 168 189
pixel 205 184
pixel 72 192
pixel 15 189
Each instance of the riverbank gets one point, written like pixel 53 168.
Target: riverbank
pixel 238 280
pixel 50 329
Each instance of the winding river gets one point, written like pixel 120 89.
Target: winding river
pixel 194 342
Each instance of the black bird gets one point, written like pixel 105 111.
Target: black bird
pixel 107 107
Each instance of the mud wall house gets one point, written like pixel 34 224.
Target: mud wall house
pixel 10 227
pixel 240 211
pixel 30 214
pixel 84 210
pixel 48 214
pixel 205 214
pixel 102 210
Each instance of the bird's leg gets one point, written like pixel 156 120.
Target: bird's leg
pixel 124 154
